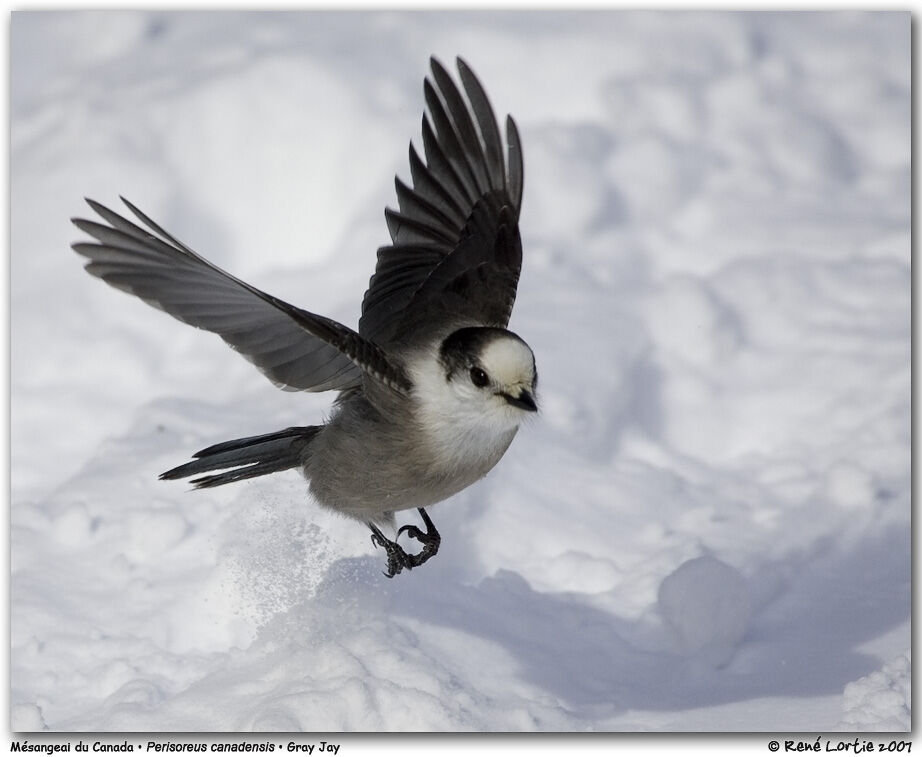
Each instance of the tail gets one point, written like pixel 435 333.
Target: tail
pixel 248 458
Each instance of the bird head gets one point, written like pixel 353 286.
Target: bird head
pixel 491 370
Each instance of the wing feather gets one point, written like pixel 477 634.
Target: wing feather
pixel 297 350
pixel 486 123
pixel 456 253
pixel 462 125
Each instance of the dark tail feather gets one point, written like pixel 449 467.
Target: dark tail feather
pixel 247 458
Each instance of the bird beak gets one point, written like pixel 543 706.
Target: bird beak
pixel 525 401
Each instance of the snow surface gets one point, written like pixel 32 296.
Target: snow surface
pixel 881 701
pixel 707 528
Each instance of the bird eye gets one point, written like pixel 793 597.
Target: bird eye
pixel 479 377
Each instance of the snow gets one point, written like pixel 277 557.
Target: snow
pixel 881 701
pixel 707 527
pixel 706 604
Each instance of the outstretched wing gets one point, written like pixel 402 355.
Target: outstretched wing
pixel 456 251
pixel 297 350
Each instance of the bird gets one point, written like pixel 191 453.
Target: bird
pixel 432 387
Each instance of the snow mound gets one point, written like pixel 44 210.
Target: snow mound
pixel 881 701
pixel 706 605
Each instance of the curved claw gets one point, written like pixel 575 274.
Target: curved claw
pixel 412 530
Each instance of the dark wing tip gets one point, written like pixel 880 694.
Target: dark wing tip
pixel 128 205
pixel 97 206
pixel 85 225
pixel 435 64
pixel 143 218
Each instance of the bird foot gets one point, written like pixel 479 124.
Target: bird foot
pixel 397 558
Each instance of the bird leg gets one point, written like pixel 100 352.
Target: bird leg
pixel 397 558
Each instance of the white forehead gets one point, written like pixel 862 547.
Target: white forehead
pixel 509 361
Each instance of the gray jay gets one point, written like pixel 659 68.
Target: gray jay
pixel 432 387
